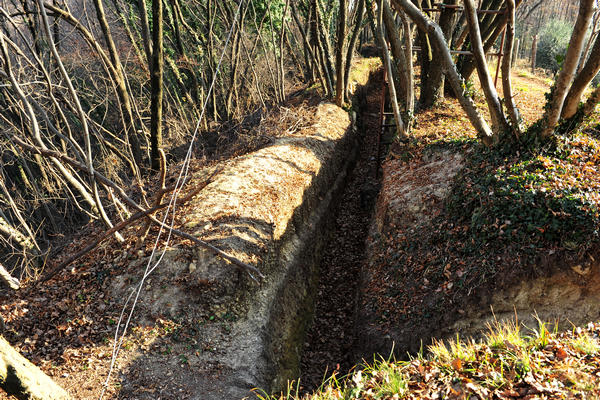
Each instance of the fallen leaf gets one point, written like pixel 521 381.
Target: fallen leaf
pixel 457 364
pixel 561 354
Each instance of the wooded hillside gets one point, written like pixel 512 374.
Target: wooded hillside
pixel 104 105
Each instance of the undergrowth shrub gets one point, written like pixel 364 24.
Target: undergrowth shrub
pixel 552 44
pixel 534 200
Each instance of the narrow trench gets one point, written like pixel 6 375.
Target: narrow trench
pixel 330 338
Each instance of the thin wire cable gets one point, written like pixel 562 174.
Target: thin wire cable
pixel 183 173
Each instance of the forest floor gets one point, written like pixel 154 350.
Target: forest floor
pixel 508 209
pixel 329 341
pixel 512 213
pixel 65 323
pixel 329 345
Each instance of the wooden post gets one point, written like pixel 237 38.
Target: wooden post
pixel 384 88
pixel 516 52
pixel 533 52
pixel 500 54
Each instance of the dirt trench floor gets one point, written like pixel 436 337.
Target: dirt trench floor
pixel 329 341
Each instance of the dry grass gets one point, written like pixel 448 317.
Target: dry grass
pixel 510 363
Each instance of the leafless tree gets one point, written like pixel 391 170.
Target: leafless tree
pixel 87 101
pixel 567 82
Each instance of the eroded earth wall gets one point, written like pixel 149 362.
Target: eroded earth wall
pixel 413 194
pixel 269 209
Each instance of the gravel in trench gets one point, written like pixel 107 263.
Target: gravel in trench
pixel 330 338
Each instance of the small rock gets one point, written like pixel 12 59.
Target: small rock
pixel 191 224
pixel 580 270
pixel 192 267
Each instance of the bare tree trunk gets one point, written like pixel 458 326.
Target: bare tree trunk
pixel 255 77
pixel 174 21
pixel 13 235
pixel 588 43
pixel 507 62
pixel 395 45
pixel 400 129
pixel 276 85
pixel 291 49
pixel 488 39
pixel 283 34
pixel 95 201
pixel 280 96
pixel 56 28
pixel 31 243
pixel 35 187
pixel 565 77
pixel 22 379
pixel 499 122
pixel 582 80
pixel 211 11
pixel 425 58
pixel 26 105
pixel 339 54
pixel 320 45
pixel 533 53
pixel 143 62
pixel 591 102
pixel 515 54
pixel 490 22
pixel 433 88
pixel 145 28
pixel 360 11
pixel 115 73
pixel 447 22
pixel 130 131
pixel 156 83
pixel 308 48
pixel 527 11
pixel 235 61
pixel 11 281
pixel 445 58
pixel 410 75
pixel 121 193
pixel 324 39
pixel 462 33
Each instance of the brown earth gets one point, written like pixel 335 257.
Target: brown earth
pixel 191 314
pixel 330 339
pixel 410 292
pixel 203 328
